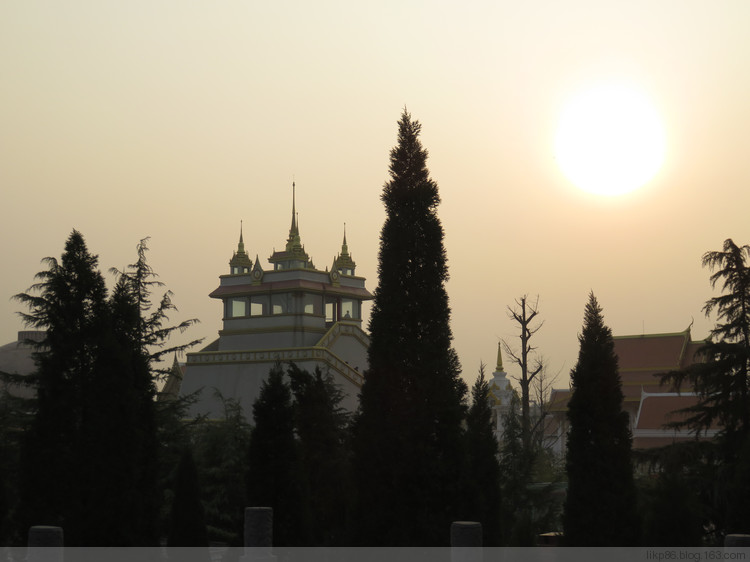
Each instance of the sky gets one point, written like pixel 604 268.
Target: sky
pixel 177 120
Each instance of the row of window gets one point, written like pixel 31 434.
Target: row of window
pixel 293 303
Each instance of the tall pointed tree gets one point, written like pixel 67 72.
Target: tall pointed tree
pixel 69 302
pixel 483 502
pixel 321 427
pixel 408 435
pixel 274 478
pixel 600 508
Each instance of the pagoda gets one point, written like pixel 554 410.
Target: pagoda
pixel 288 312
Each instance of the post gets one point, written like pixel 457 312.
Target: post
pixel 45 544
pixel 737 541
pixel 258 534
pixel 466 541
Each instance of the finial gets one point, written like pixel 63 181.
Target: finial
pixel 499 367
pixel 294 211
pixel 241 245
pixel 344 246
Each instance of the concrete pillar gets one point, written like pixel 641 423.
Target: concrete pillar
pixel 258 534
pixel 45 544
pixel 466 541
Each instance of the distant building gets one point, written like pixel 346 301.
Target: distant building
pixel 289 312
pixel 16 359
pixel 501 394
pixel 650 406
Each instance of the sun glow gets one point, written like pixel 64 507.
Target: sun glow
pixel 610 140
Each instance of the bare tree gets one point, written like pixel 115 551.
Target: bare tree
pixel 532 365
pixel 541 391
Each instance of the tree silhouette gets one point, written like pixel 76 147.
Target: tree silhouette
pixel 721 382
pixel 600 508
pixel 482 472
pixel 408 435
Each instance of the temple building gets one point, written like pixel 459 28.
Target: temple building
pixel 650 405
pixel 290 311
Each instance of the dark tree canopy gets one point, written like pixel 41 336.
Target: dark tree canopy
pixel 321 426
pixel 408 435
pixel 600 509
pixel 721 382
pixel 482 490
pixel 187 522
pixel 274 476
pixel 90 454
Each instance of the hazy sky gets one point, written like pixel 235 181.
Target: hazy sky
pixel 176 120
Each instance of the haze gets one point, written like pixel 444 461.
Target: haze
pixel 177 120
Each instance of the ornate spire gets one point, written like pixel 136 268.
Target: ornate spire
pixel 241 245
pixel 294 255
pixel 293 241
pixel 240 262
pixel 344 247
pixel 499 367
pixel 344 262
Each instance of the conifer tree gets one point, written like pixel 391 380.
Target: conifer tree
pixel 69 302
pixel 722 382
pixel 321 427
pixel 274 478
pixel 482 490
pixel 95 401
pixel 187 524
pixel 600 508
pixel 408 435
pixel 222 459
pixel 515 476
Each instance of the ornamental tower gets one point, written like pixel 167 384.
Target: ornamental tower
pixel 501 393
pixel 290 311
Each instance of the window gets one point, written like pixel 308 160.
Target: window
pixel 349 309
pixel 331 310
pixel 259 305
pixel 280 304
pixel 312 304
pixel 237 307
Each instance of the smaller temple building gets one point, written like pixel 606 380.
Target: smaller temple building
pixel 288 312
pixel 650 406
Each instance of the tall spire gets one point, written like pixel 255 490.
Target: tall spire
pixel 499 367
pixel 241 245
pixel 294 241
pixel 294 229
pixel 344 247
pixel 293 256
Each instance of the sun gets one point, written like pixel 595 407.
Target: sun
pixel 610 139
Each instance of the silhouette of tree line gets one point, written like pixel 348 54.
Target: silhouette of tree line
pixel 96 453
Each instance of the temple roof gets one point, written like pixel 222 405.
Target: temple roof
pixel 290 285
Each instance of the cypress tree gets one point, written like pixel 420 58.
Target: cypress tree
pixel 407 434
pixel 221 455
pixel 188 523
pixel 483 468
pixel 274 474
pixel 600 508
pixel 321 426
